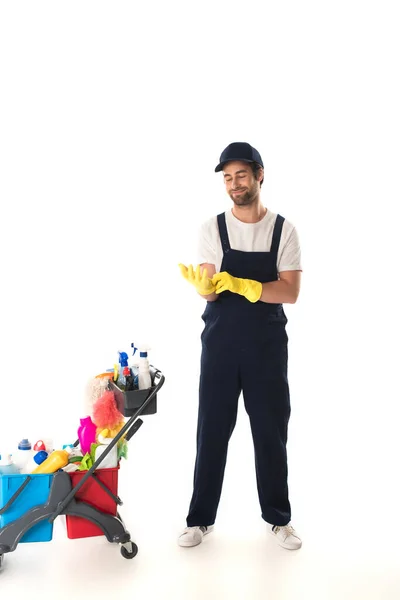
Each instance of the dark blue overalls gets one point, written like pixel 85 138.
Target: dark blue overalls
pixel 244 347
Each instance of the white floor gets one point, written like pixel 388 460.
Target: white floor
pixel 244 563
pixel 347 553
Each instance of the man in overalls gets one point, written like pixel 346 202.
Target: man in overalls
pixel 249 265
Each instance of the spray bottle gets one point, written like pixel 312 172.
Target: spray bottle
pixel 129 381
pixel 123 361
pixel 134 366
pixel 144 376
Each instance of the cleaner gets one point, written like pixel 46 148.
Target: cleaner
pixel 86 434
pixel 123 362
pixel 23 454
pixel 45 444
pixel 144 376
pixel 111 460
pixel 57 460
pixel 35 461
pixel 134 366
pixel 7 467
pixel 129 380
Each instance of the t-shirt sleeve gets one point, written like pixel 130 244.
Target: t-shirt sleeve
pixel 205 247
pixel 290 259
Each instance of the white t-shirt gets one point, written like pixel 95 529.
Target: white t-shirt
pixel 249 237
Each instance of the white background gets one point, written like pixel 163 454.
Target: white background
pixel 113 116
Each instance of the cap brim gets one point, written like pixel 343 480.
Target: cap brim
pixel 222 164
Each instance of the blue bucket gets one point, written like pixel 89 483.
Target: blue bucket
pixel 35 493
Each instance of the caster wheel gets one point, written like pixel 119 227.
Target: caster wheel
pixel 129 550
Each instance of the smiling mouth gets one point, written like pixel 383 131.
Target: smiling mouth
pixel 238 192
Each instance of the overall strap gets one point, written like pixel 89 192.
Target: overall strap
pixel 223 233
pixel 276 236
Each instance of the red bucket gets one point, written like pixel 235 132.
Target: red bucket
pixel 92 493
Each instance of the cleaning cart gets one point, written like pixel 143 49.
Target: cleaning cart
pixel 28 512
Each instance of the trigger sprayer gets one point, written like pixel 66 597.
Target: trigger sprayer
pixel 144 377
pixel 123 362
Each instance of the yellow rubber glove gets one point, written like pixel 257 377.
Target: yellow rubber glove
pixel 248 288
pixel 201 281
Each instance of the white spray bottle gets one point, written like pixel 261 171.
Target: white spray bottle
pixel 144 377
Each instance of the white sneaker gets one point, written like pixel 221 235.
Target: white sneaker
pixel 286 536
pixel 192 536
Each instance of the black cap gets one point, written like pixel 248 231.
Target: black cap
pixel 239 151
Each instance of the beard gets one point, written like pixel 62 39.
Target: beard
pixel 245 198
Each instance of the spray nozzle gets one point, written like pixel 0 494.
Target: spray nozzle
pixel 123 359
pixel 143 350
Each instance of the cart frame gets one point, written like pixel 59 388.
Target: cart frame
pixel 61 500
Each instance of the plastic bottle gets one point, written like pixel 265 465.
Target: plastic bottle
pixel 57 460
pixel 123 362
pixel 111 460
pixel 133 363
pixel 144 369
pixel 39 446
pixel 7 467
pixel 86 434
pixel 48 445
pixel 23 454
pixel 129 380
pixel 35 461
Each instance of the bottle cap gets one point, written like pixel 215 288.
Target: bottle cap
pixel 40 457
pixel 25 444
pixel 40 445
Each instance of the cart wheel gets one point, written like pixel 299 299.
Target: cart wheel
pixel 129 550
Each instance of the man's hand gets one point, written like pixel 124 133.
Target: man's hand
pixel 248 288
pixel 201 281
